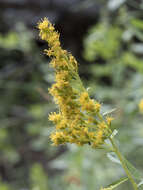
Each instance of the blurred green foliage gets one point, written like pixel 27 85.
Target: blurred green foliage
pixel 117 74
pixel 113 49
pixel 103 41
pixel 38 177
pixel 25 105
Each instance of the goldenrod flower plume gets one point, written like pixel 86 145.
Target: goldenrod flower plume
pixel 79 120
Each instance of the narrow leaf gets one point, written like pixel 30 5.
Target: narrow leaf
pixel 114 133
pixel 109 112
pixel 116 183
pixel 141 183
pixel 134 172
pixel 112 156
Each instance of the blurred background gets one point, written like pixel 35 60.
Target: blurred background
pixel 106 37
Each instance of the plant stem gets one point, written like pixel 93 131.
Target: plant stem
pixel 123 164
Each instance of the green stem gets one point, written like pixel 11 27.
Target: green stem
pixel 123 164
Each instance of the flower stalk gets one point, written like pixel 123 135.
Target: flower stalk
pixel 119 155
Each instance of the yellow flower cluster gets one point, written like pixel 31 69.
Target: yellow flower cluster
pixel 141 106
pixel 79 120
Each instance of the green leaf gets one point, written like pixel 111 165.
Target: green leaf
pixel 137 23
pixel 114 133
pixel 39 179
pixel 116 183
pixel 141 183
pixel 112 156
pixel 109 112
pixel 134 172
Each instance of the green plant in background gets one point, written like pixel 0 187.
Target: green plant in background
pixel 39 180
pixel 141 106
pixel 23 126
pixel 120 74
pixel 4 186
pixel 103 41
pixel 115 79
pixel 79 120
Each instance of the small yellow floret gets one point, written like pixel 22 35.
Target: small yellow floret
pixel 83 97
pixel 59 138
pixel 99 135
pixel 90 119
pixel 102 125
pixel 141 106
pixel 109 119
pixel 62 75
pixel 97 107
pixel 89 106
pixel 61 125
pixel 44 24
pixel 55 117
